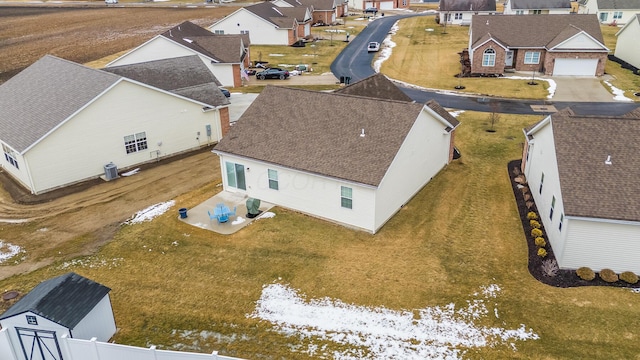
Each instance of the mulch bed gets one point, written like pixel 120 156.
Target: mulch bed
pixel 564 278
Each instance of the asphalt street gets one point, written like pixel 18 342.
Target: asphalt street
pixel 355 61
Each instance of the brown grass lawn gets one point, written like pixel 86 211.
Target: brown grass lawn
pixel 172 281
pixel 623 79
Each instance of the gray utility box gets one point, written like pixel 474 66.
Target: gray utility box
pixel 110 171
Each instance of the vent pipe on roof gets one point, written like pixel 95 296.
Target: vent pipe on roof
pixel 487 22
pixel 608 161
pixel 362 134
pixel 170 33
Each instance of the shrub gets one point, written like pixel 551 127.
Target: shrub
pixel 532 215
pixel 536 232
pixel 550 267
pixel 534 224
pixel 585 273
pixel 542 252
pixel 629 277
pixel 540 241
pixel 608 275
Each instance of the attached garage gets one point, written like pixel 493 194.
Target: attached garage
pixel 386 5
pixel 575 67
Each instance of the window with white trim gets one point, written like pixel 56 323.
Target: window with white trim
pixel 218 32
pixel 617 15
pixel 536 12
pixel 135 142
pixel 604 16
pixel 553 205
pixel 458 16
pixel 561 221
pixel 244 32
pixel 10 156
pixel 489 57
pixel 541 183
pixel 273 179
pixel 532 57
pixel 346 197
pixel 519 12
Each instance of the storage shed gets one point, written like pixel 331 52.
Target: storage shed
pixel 68 304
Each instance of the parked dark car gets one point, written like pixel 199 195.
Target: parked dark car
pixel 371 10
pixel 226 92
pixel 273 73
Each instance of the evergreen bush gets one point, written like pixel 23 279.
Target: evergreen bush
pixel 629 277
pixel 608 275
pixel 585 273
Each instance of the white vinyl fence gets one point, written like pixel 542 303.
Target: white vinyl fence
pixel 76 349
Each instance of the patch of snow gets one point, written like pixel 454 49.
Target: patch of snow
pixel 440 332
pixel 335 30
pixel 238 220
pixel 618 94
pixel 266 215
pixel 387 50
pixel 276 54
pixel 456 113
pixel 151 212
pixel 132 172
pixel 43 229
pixel 7 251
pixel 552 84
pixel 428 29
pixel 14 221
pixel 92 262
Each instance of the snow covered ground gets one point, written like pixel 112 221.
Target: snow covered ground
pixel 7 251
pixel 151 212
pixel 441 332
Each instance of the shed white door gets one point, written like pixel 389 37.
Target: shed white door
pixel 575 67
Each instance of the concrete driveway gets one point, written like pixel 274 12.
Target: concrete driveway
pixel 581 89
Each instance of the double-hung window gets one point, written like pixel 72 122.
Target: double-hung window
pixel 532 57
pixel 489 57
pixel 273 179
pixel 553 205
pixel 617 15
pixel 458 16
pixel 10 156
pixel 346 197
pixel 135 142
pixel 561 221
pixel 541 183
pixel 218 32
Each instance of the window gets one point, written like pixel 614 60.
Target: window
pixel 235 176
pixel 489 58
pixel 218 32
pixel 561 220
pixel 532 57
pixel 553 205
pixel 136 142
pixel 458 16
pixel 273 179
pixel 519 12
pixel 541 182
pixel 346 197
pixel 536 12
pixel 32 320
pixel 10 156
pixel 244 32
pixel 604 16
pixel 617 15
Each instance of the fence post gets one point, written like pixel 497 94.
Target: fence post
pixel 94 340
pixel 214 355
pixel 153 351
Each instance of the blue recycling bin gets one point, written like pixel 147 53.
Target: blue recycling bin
pixel 183 213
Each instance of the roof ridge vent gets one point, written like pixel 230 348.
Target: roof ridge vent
pixel 608 161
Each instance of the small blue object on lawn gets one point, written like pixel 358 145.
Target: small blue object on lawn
pixel 183 213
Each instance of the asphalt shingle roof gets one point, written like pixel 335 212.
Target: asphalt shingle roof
pixel 618 4
pixel 36 100
pixel 540 4
pixel 467 5
pixel 305 130
pixel 537 31
pixel 225 48
pixel 375 86
pixel 186 76
pixel 273 14
pixel 65 299
pixel 591 188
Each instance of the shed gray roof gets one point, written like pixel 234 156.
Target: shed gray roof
pixel 65 299
pixel 591 188
pixel 618 4
pixel 227 48
pixel 187 76
pixel 375 86
pixel 537 31
pixel 540 4
pixel 301 129
pixel 36 100
pixel 272 13
pixel 467 5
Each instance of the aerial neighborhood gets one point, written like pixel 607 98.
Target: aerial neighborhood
pixel 367 210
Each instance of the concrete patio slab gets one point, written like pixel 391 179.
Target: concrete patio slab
pixel 198 216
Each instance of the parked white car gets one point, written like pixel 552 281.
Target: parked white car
pixel 373 46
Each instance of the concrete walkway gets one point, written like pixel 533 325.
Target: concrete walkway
pixel 198 216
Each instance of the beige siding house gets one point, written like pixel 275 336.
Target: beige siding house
pixel 459 12
pixel 536 7
pixel 627 47
pixel 64 123
pixel 356 169
pixel 557 45
pixel 615 12
pixel 583 173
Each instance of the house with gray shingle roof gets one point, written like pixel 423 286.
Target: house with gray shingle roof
pixel 550 44
pixel 375 86
pixel 356 165
pixel 322 11
pixel 62 123
pixel 617 12
pixel 536 7
pixel 583 173
pixel 225 55
pixel 459 12
pixel 267 23
pixel 69 304
pixel 627 48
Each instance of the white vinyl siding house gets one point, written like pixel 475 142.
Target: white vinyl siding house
pixel 459 12
pixel 261 31
pixel 88 133
pixel 627 48
pixel 596 221
pixel 610 11
pixel 536 7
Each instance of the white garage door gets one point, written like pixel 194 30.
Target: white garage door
pixel 386 5
pixel 575 67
